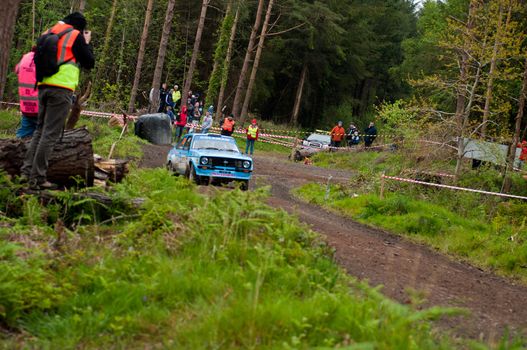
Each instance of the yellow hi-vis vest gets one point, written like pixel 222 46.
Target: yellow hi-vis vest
pixel 251 131
pixel 69 72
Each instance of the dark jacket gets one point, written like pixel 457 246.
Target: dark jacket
pixel 83 52
pixel 162 95
pixel 371 134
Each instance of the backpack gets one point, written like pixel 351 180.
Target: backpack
pixel 46 54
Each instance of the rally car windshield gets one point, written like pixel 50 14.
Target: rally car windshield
pixel 215 144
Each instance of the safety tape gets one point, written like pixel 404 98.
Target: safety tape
pixel 279 143
pixel 402 179
pixel 264 132
pixel 83 112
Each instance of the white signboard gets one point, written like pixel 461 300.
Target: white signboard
pixel 489 152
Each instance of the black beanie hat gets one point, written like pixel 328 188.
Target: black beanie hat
pixel 77 20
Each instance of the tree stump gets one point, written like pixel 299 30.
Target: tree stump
pixel 72 157
pixel 299 154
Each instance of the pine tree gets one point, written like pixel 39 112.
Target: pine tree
pixel 236 105
pixel 219 55
pixel 227 64
pixel 156 82
pixel 8 15
pixel 256 62
pixel 140 56
pixel 195 50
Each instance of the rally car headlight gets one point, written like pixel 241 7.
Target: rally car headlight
pixel 204 160
pixel 246 164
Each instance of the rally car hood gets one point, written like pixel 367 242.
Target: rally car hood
pixel 219 154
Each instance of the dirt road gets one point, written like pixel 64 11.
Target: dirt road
pixel 494 303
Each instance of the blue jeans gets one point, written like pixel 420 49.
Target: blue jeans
pixel 28 125
pixel 249 146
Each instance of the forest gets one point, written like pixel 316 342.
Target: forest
pixel 296 61
pixel 319 60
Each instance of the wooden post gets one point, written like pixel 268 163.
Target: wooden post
pixel 381 195
pixel 328 188
pixel 292 155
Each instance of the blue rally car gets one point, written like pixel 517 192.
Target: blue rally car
pixel 206 158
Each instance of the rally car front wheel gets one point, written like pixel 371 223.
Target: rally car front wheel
pixel 244 185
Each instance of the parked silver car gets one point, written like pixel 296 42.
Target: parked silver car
pixel 320 141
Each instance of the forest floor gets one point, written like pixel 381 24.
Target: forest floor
pixel 405 269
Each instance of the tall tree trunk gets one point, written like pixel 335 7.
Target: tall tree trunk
pixel 248 54
pixel 477 76
pixel 78 6
pixel 101 67
pixel 219 55
pixel 298 97
pixel 517 130
pixel 8 14
pixel 227 64
pixel 461 114
pixel 195 51
pixel 256 63
pixel 167 26
pixel 33 11
pixel 140 56
pixel 490 82
pixel 121 58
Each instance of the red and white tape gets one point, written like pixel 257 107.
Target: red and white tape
pixel 290 144
pixel 456 188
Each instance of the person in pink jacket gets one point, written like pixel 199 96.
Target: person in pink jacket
pixel 28 94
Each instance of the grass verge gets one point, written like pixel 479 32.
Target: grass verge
pixel 187 271
pixel 9 121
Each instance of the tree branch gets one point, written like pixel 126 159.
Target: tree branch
pixel 286 30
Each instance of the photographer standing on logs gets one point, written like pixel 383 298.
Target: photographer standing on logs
pixel 61 52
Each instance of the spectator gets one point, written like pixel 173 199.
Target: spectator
pixel 181 122
pixel 162 98
pixel 195 117
pixel 169 102
pixel 176 97
pixel 353 136
pixel 207 122
pixel 190 109
pixel 55 94
pixel 227 127
pixel 252 136
pixel 28 93
pixel 197 112
pixel 337 134
pixel 171 115
pixel 371 134
pixel 523 154
pixel 192 98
